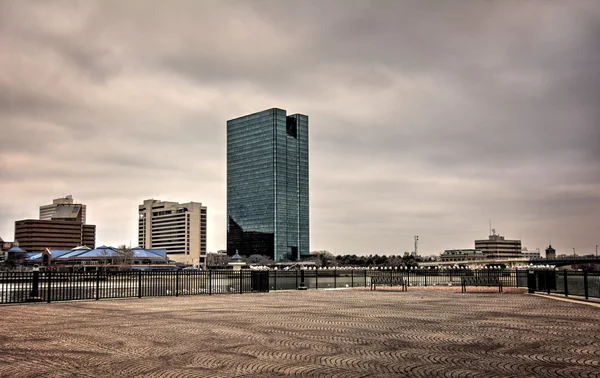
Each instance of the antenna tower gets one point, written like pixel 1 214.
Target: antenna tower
pixel 416 245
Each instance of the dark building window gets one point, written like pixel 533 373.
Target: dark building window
pixel 291 127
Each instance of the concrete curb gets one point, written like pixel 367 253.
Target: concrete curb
pixel 571 300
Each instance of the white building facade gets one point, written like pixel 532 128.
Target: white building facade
pixel 178 228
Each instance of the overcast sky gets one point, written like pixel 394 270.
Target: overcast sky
pixel 426 117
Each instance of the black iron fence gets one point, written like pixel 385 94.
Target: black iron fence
pixel 339 278
pixel 575 283
pixel 566 282
pixel 19 287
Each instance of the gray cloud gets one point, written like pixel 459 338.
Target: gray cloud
pixel 427 117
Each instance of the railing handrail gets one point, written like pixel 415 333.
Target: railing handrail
pixel 18 286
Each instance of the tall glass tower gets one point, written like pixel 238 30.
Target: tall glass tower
pixel 267 185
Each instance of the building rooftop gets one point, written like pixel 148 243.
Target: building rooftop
pixel 66 212
pixel 100 252
pixel 462 252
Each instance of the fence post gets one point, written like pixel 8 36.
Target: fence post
pixel 316 278
pixel 275 279
pixel 35 285
pixel 210 282
pixel 516 278
pixel 365 278
pixel 425 274
pixel 241 282
pixel 334 278
pixel 302 281
pixel 566 281
pixel 296 278
pixel 139 283
pixel 391 278
pixel 548 281
pixel 352 277
pixel 48 286
pixel 98 284
pixel 585 284
pixel 531 281
pixel 177 283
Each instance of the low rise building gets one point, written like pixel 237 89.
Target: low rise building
pixel 13 256
pixel 531 255
pixel 6 245
pixel 462 255
pixel 496 246
pixel 35 235
pixel 103 256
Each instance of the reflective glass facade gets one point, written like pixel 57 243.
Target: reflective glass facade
pixel 267 185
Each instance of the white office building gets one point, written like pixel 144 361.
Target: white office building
pixel 178 228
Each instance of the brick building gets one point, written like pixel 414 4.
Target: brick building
pixel 35 235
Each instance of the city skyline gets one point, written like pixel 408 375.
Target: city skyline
pixel 426 119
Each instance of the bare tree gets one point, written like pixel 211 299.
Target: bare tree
pixel 323 258
pixel 105 257
pixel 124 257
pixel 258 260
pixel 216 259
pixel 14 258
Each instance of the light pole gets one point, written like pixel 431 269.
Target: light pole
pixel 574 252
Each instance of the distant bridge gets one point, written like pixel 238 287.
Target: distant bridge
pixel 514 262
pixel 569 260
pixel 480 263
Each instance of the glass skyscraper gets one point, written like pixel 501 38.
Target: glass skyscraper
pixel 267 185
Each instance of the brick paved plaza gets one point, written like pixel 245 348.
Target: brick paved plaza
pixel 347 333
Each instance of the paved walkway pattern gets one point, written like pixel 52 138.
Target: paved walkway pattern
pixel 341 333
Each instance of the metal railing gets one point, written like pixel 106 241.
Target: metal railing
pixel 19 287
pixel 567 282
pixel 338 278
